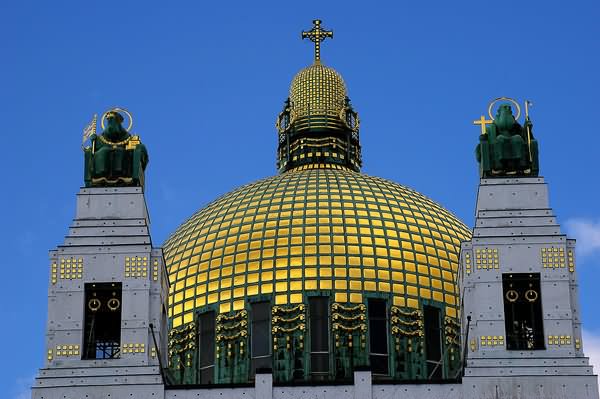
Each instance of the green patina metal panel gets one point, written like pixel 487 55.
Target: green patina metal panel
pixel 348 337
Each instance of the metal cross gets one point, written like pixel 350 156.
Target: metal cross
pixel 482 122
pixel 317 35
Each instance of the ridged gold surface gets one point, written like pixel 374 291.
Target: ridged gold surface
pixel 318 91
pixel 314 229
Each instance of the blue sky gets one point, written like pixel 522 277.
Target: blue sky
pixel 205 81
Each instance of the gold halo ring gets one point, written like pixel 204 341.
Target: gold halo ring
pixel 117 109
pixel 511 100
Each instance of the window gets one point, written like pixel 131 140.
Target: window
pixel 102 315
pixel 319 337
pixel 207 347
pixel 378 337
pixel 433 342
pixel 523 311
pixel 261 336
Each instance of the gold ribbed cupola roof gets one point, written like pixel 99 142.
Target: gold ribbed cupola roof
pixel 318 127
pixel 318 90
pixel 320 227
pixel 319 230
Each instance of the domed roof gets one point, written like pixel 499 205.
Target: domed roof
pixel 368 265
pixel 316 229
pixel 318 91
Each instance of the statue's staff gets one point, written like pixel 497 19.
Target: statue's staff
pixel 88 131
pixel 527 123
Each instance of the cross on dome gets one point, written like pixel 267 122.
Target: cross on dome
pixel 317 35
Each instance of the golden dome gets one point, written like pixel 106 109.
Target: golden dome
pixel 318 92
pixel 350 234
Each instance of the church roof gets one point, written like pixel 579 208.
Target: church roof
pixel 310 230
pixel 319 228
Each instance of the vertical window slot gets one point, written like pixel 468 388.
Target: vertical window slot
pixel 261 336
pixel 319 337
pixel 433 342
pixel 207 347
pixel 378 337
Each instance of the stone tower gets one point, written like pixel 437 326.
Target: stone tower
pixel 107 294
pixel 519 289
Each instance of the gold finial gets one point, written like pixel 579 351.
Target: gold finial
pixel 317 35
pixel 482 122
pixel 527 105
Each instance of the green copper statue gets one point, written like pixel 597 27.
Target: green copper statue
pixel 505 147
pixel 114 158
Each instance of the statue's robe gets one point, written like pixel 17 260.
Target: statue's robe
pixel 507 151
pixel 110 160
pixel 509 148
pixel 115 161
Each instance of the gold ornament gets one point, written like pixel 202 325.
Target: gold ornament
pixel 94 304
pixel 531 295
pixel 483 122
pixel 113 304
pixel 512 295
pixel 114 143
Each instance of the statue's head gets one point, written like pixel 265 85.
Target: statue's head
pixel 504 110
pixel 505 119
pixel 114 118
pixel 114 130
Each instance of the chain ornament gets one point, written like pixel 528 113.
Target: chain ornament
pixel 224 318
pixel 280 319
pixel 398 320
pixel 414 313
pixel 277 330
pixel 281 309
pixel 352 321
pixel 114 143
pixel 339 306
pixel 182 345
pixel 357 327
pixel 235 326
pixel 451 330
pixel 232 333
pixel 399 331
pixel 360 317
pixel 233 337
pixel 407 323
pixel 288 329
